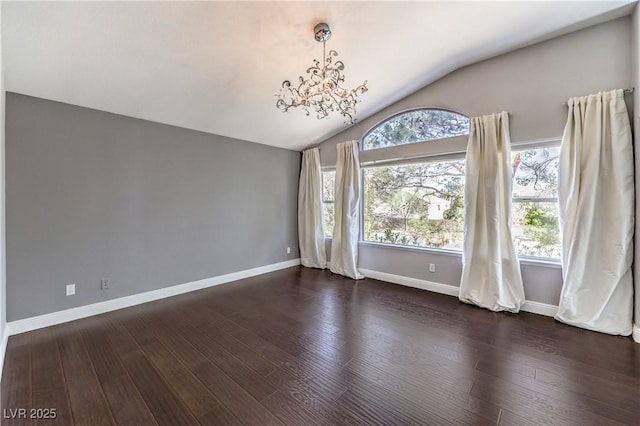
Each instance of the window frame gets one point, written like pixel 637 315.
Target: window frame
pixel 324 170
pixel 434 153
pixel 527 146
pixel 443 149
pixel 433 150
pixel 434 158
pixel 407 111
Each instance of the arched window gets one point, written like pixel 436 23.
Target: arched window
pixel 418 125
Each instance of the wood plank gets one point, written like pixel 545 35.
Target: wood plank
pixel 48 388
pixel 200 319
pixel 16 381
pixel 193 393
pixel 88 404
pixel 289 411
pixel 158 395
pixel 303 346
pixel 238 401
pixel 252 382
pixel 125 402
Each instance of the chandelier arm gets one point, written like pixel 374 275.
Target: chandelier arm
pixel 322 91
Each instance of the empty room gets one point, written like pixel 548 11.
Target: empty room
pixel 319 213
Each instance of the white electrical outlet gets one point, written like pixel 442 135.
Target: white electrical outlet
pixel 71 289
pixel 432 267
pixel 288 250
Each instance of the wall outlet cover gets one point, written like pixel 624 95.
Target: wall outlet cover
pixel 71 289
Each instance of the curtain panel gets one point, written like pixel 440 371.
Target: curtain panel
pixel 346 229
pixel 596 200
pixel 310 222
pixel 491 275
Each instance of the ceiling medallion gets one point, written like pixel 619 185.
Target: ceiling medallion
pixel 322 91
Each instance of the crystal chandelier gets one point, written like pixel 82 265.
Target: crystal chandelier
pixel 322 91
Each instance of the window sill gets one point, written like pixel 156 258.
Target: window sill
pixel 547 263
pixel 412 248
pixel 529 261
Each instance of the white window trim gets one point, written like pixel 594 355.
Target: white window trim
pixel 434 158
pixel 322 171
pixel 406 111
pixel 525 146
pixel 447 156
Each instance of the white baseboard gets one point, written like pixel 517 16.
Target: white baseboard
pixel 46 320
pixel 448 289
pixel 636 333
pixel 539 308
pixel 451 290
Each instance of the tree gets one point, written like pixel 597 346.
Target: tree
pixel 399 200
pixel 535 176
pixel 417 126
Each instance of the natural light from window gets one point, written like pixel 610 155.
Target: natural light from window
pixel 535 202
pixel 422 205
pixel 418 205
pixel 328 185
pixel 418 125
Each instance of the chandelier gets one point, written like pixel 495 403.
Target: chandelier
pixel 322 91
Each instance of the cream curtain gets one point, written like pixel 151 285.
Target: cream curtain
pixel 491 275
pixel 596 198
pixel 310 223
pixel 346 229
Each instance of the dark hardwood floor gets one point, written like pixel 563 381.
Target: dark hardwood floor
pixel 305 347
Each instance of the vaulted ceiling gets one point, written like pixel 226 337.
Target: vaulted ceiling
pixel 215 66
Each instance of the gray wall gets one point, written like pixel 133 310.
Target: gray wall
pixel 635 48
pixel 3 282
pixel 93 195
pixel 531 84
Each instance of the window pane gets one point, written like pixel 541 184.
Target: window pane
pixel 416 126
pixel 327 214
pixel 328 186
pixel 415 205
pixel 536 173
pixel 535 229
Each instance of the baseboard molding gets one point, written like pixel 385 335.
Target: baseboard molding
pixel 46 320
pixel 636 333
pixel 448 289
pixel 539 308
pixel 451 290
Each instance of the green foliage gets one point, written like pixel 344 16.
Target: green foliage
pixel 540 217
pixel 423 204
pixel 417 204
pixel 417 126
pixel 541 225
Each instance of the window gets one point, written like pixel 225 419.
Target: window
pixel 415 204
pixel 420 203
pixel 535 202
pixel 416 126
pixel 328 188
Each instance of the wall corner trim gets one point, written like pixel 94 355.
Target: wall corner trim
pixel 452 290
pixel 46 320
pixel 636 333
pixel 4 338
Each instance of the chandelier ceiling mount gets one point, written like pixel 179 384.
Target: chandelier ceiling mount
pixel 322 90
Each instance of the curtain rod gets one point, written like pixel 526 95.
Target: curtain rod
pixel 624 91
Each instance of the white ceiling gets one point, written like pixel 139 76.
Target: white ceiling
pixel 215 66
